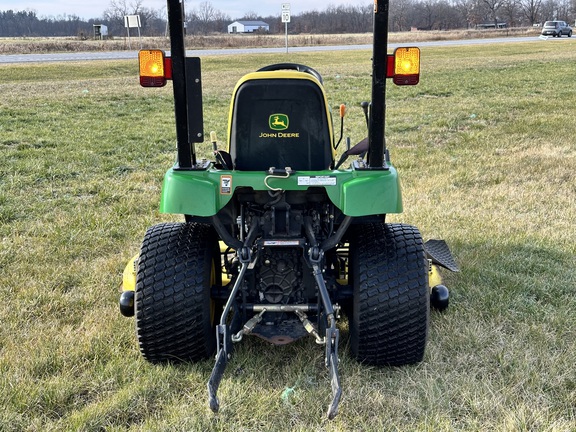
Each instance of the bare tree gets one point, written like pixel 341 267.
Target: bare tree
pixel 465 9
pixel 400 13
pixel 448 16
pixel 206 18
pixel 250 16
pixel 511 12
pixel 563 10
pixel 531 9
pixel 428 14
pixel 493 8
pixel 204 15
pixel 117 10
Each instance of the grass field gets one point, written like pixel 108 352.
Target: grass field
pixel 486 150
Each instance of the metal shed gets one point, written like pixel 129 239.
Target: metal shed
pixel 248 27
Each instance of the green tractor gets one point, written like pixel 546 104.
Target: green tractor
pixel 279 238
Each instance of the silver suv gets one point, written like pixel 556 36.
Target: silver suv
pixel 556 29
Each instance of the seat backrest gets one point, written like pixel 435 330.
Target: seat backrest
pixel 280 119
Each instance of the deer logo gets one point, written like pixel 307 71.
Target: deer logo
pixel 278 122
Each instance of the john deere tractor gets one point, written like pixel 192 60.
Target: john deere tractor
pixel 280 237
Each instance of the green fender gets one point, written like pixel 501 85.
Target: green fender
pixel 354 192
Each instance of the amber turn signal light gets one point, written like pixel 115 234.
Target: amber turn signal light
pixel 406 66
pixel 152 70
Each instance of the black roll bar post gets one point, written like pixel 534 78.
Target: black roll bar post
pixel 377 140
pixel 186 153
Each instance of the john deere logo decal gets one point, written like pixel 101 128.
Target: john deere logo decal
pixel 278 122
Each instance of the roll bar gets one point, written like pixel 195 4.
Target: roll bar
pixel 182 96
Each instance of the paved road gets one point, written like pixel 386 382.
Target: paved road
pixel 119 55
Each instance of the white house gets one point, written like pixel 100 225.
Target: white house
pixel 248 26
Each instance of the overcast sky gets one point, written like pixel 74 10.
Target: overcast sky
pixel 233 8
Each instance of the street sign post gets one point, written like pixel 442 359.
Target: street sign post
pixel 133 21
pixel 286 20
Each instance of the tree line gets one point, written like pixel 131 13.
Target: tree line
pixel 205 18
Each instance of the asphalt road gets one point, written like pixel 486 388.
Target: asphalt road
pixel 119 55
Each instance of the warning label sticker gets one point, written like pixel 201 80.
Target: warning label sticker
pixel 226 184
pixel 317 181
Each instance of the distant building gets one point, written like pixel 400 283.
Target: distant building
pixel 491 25
pixel 100 31
pixel 248 27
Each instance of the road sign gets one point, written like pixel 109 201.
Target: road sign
pixel 286 20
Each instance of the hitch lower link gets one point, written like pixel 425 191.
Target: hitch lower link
pixel 225 338
pixel 315 256
pixel 223 333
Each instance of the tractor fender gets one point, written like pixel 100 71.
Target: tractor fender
pixel 205 192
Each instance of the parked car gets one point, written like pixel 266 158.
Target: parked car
pixel 556 29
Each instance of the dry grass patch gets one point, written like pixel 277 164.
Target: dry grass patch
pixel 215 41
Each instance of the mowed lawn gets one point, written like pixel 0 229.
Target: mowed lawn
pixel 486 149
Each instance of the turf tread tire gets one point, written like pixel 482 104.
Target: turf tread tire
pixel 173 306
pixel 391 302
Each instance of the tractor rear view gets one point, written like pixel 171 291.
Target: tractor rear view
pixel 280 238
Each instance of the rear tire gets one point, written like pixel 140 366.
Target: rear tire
pixel 175 316
pixel 391 302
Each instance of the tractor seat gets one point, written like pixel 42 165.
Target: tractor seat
pixel 279 118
